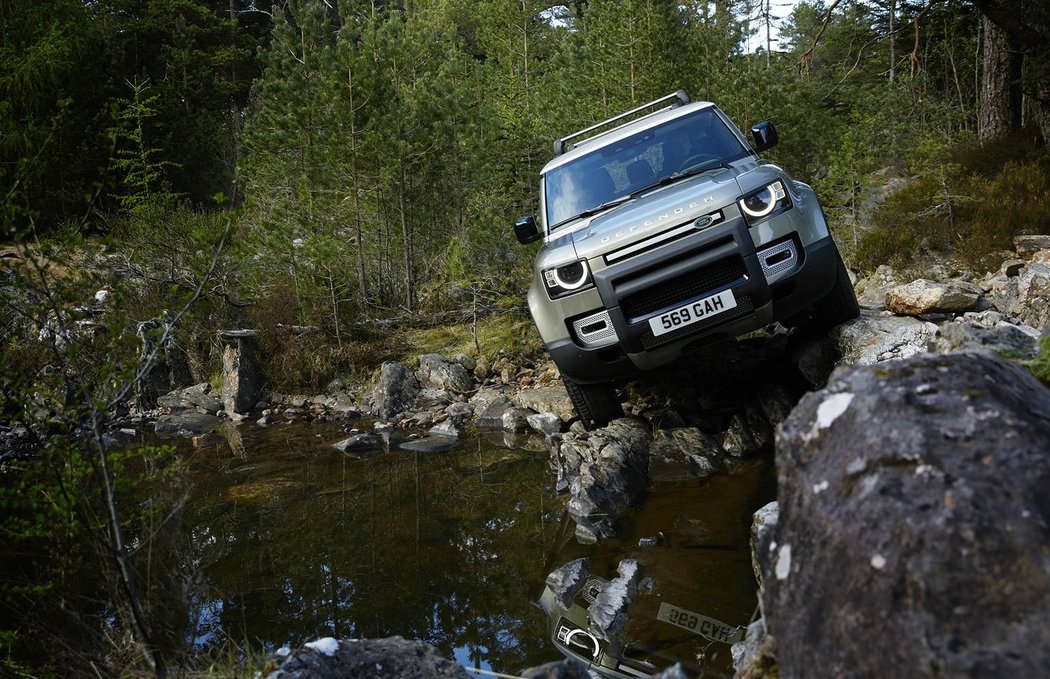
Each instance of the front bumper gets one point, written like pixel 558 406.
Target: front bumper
pixel 720 258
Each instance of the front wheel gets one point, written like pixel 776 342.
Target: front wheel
pixel 596 404
pixel 839 305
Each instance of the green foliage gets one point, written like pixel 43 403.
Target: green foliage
pixel 1040 366
pixel 973 211
pixel 136 157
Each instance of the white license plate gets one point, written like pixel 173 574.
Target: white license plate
pixel 700 624
pixel 693 312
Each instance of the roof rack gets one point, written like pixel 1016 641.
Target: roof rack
pixel 562 145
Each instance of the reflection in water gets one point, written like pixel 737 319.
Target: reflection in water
pixel 288 540
pixel 693 591
pixel 291 540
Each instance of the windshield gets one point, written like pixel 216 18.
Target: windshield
pixel 636 162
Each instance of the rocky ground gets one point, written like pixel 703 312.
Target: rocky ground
pixel 914 465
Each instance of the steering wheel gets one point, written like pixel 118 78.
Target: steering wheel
pixel 698 159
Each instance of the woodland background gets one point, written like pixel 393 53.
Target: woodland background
pixel 377 153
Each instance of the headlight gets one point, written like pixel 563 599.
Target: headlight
pixel 565 280
pixel 764 202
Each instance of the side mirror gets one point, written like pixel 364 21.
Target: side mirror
pixel 526 231
pixel 765 136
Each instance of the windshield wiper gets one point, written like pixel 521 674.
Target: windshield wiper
pixel 678 176
pixel 595 210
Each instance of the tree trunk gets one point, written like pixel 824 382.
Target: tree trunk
pixel 1000 112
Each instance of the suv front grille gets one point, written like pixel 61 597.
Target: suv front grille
pixel 744 306
pixel 683 288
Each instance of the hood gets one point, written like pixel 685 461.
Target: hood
pixel 657 211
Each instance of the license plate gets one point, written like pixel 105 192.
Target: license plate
pixel 700 624
pixel 693 312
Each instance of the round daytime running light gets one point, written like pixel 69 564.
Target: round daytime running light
pixel 571 276
pixel 762 203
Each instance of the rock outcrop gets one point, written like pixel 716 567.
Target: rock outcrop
pixel 395 392
pixel 913 523
pixel 604 471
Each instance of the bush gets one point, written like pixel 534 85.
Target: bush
pixel 961 206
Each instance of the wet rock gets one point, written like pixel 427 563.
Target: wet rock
pixel 395 392
pixel 448 429
pixel 749 433
pixel 562 669
pixel 925 296
pixel 868 340
pixel 358 443
pixel 545 423
pixel 552 399
pixel 516 420
pixel 566 582
pixel 684 453
pixel 393 657
pixel 604 471
pixel 762 523
pixel 491 416
pixel 914 492
pixel 1026 246
pixel 431 444
pixel 387 436
pixel 185 424
pixel 608 613
pixel 437 372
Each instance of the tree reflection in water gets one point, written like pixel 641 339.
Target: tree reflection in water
pixel 295 540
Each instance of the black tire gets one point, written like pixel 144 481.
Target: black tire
pixel 596 404
pixel 839 305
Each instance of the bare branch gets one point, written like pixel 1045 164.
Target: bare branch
pixel 803 63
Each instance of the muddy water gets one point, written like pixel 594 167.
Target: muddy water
pixel 288 540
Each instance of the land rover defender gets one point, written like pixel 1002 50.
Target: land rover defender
pixel 662 230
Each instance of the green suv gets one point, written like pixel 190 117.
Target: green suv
pixel 664 231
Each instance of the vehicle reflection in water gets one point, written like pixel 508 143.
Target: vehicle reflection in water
pixel 677 584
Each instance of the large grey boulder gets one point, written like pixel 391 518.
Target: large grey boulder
pixel 604 471
pixel 914 525
pixel 872 339
pixel 924 296
pixel 395 392
pixel 393 658
pixel 437 372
